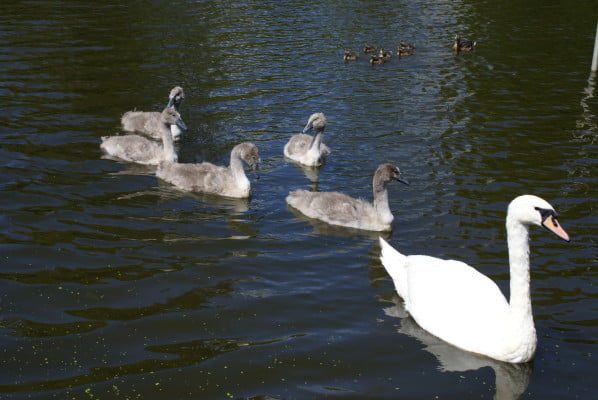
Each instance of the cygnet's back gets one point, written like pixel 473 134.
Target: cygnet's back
pixel 139 149
pixel 306 149
pixel 209 178
pixel 148 122
pixel 339 209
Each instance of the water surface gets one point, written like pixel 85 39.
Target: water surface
pixel 117 286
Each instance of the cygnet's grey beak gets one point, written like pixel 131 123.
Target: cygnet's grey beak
pixel 403 180
pixel 170 102
pixel 181 124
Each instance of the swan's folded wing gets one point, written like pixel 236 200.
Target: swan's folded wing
pixel 143 122
pixel 339 208
pixel 453 300
pixel 297 144
pixel 204 177
pixel 129 148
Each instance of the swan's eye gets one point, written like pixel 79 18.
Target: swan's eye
pixel 555 222
pixel 545 213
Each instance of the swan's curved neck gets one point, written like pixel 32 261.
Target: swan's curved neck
pixel 381 205
pixel 518 242
pixel 167 144
pixel 315 142
pixel 236 168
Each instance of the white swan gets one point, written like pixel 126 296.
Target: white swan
pixel 305 149
pixel 148 123
pixel 139 149
pixel 458 304
pixel 210 178
pixel 340 209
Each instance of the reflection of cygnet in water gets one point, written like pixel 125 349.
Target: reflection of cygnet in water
pixel 511 379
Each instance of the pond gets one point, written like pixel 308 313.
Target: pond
pixel 116 285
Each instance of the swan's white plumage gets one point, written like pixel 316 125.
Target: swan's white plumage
pixel 458 304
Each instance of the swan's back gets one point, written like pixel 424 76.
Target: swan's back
pixel 132 148
pixel 143 122
pixel 135 148
pixel 298 145
pixel 203 177
pixel 448 298
pixel 148 122
pixel 209 178
pixel 334 208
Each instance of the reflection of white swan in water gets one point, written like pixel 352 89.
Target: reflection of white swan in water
pixel 511 379
pixel 587 121
pixel 458 304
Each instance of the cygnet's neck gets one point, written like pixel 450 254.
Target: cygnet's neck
pixel 237 171
pixel 381 205
pixel 317 139
pixel 169 154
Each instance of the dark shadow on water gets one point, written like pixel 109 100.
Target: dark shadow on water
pixel 185 354
pixel 195 299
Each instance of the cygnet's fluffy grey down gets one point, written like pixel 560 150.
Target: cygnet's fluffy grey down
pixel 139 149
pixel 209 178
pixel 306 149
pixel 339 209
pixel 148 122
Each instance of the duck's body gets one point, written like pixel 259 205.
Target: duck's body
pixel 462 45
pixel 148 123
pixel 306 149
pixel 369 49
pixel 465 308
pixel 141 150
pixel 339 209
pixel 350 56
pixel 385 54
pixel 377 60
pixel 405 46
pixel 405 49
pixel 209 178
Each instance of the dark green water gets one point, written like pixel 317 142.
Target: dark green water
pixel 116 286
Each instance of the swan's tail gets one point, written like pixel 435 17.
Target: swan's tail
pixel 395 264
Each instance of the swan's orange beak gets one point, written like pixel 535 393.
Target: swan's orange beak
pixel 552 224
